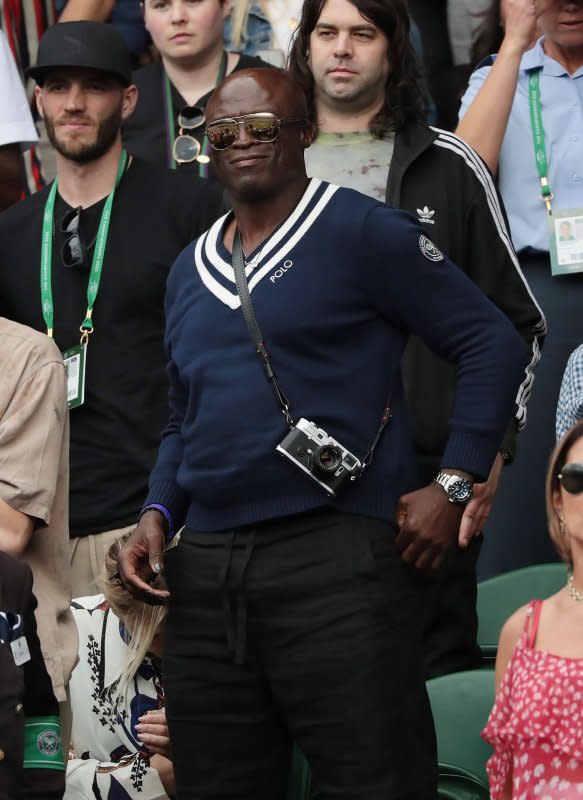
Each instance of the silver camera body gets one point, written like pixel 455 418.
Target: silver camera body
pixel 320 456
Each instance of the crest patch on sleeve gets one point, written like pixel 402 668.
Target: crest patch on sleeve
pixel 429 250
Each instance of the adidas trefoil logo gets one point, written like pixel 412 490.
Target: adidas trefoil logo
pixel 425 215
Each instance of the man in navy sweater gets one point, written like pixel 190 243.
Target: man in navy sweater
pixel 294 613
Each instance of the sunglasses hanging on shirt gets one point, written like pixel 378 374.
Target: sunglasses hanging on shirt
pixel 186 148
pixel 73 250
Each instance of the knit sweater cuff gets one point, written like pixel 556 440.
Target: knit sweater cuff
pixel 470 452
pixel 169 495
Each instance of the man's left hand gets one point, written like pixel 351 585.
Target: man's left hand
pixel 428 526
pixel 477 511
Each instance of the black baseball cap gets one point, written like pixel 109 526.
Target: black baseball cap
pixel 93 45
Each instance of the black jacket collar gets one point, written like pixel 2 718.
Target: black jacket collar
pixel 410 141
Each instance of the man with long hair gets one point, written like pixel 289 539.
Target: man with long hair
pixel 357 68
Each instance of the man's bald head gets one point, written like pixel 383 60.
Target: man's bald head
pixel 252 169
pixel 271 87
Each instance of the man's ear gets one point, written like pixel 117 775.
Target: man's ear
pixel 307 135
pixel 39 101
pixel 130 99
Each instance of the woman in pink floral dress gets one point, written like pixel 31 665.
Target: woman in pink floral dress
pixel 536 725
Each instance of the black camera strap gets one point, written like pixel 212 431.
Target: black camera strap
pixel 259 343
pixel 253 327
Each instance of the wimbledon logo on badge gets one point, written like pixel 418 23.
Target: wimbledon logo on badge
pixel 429 250
pixel 48 743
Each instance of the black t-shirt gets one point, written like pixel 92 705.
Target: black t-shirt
pixel 115 434
pixel 144 133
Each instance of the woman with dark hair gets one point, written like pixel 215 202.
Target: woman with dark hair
pixel 536 725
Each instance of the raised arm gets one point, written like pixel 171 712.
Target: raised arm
pixel 98 10
pixel 487 103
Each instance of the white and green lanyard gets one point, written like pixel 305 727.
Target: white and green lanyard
pixel 566 255
pixel 538 135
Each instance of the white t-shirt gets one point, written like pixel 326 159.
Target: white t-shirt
pixel 356 160
pixel 16 124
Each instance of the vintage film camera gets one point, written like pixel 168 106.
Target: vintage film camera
pixel 320 456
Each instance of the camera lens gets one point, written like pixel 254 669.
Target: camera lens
pixel 326 458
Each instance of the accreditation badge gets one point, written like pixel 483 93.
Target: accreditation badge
pixel 566 241
pixel 20 651
pixel 75 360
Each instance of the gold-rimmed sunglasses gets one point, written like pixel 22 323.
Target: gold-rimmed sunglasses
pixel 186 148
pixel 262 126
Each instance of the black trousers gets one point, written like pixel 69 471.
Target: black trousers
pixel 450 626
pixel 306 628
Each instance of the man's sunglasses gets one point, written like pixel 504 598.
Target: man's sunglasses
pixel 261 127
pixel 72 251
pixel 571 478
pixel 186 148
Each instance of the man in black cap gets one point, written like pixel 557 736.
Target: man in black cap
pixel 85 260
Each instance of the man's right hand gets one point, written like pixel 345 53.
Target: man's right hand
pixel 141 558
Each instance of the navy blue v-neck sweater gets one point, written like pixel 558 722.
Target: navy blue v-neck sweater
pixel 336 290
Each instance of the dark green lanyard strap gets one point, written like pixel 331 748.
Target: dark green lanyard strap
pixel 538 135
pixel 46 289
pixel 170 124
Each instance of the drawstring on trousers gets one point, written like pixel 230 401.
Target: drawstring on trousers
pixel 232 579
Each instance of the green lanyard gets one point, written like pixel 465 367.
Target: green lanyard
pixel 538 135
pixel 46 290
pixel 171 128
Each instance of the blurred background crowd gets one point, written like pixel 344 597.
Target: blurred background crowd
pixel 496 91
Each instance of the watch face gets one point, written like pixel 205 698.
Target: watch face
pixel 460 491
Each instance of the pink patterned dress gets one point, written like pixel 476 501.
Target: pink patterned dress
pixel 536 724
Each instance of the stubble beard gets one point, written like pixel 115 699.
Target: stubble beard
pixel 85 152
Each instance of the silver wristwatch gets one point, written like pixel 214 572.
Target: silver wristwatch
pixel 457 489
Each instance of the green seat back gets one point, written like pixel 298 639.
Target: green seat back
pixel 458 785
pixel 299 780
pixel 461 703
pixel 501 596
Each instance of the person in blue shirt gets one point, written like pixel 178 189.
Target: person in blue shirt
pixel 295 612
pixel 496 120
pixel 570 405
